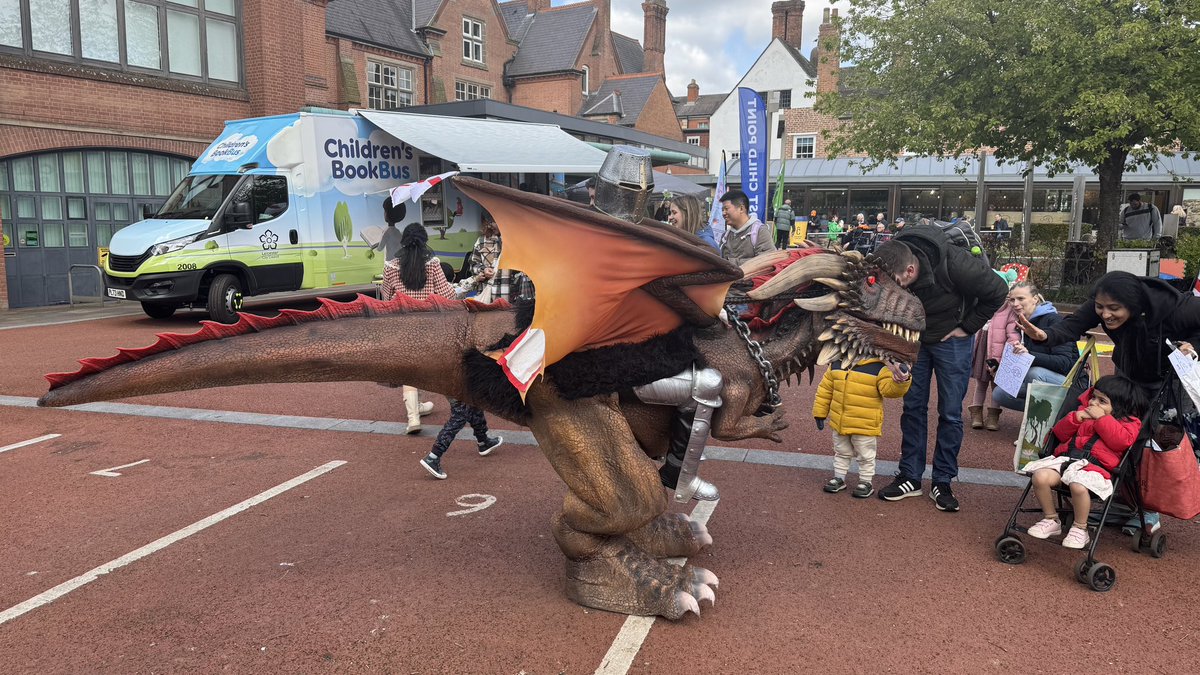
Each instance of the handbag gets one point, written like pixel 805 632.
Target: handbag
pixel 1169 480
pixel 1044 402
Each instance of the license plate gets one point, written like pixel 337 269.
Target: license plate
pixel 116 293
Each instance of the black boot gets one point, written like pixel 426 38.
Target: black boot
pixel 681 432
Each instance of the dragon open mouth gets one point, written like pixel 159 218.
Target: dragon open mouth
pixel 851 339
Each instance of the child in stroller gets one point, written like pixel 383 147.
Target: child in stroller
pixel 1092 441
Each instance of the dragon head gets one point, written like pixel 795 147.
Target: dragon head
pixel 858 310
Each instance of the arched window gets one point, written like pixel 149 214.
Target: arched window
pixel 587 88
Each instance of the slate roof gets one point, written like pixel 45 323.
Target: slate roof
pixel 553 40
pixel 383 23
pixel 425 11
pixel 516 17
pixel 804 62
pixel 630 56
pixel 624 95
pixel 705 105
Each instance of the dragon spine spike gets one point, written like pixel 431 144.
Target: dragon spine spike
pixel 329 310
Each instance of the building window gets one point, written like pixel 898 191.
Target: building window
pixel 804 147
pixel 469 91
pixel 472 40
pixel 734 156
pixel 189 39
pixel 586 80
pixel 693 140
pixel 389 87
pixel 785 98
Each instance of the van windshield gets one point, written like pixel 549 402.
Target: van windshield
pixel 198 197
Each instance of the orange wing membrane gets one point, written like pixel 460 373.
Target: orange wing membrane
pixel 600 280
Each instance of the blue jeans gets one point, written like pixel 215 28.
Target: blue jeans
pixel 1036 374
pixel 950 362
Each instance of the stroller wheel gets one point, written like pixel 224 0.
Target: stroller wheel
pixel 1010 550
pixel 1081 570
pixel 1102 577
pixel 1158 544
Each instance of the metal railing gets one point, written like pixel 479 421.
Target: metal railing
pixel 102 298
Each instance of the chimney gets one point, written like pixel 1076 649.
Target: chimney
pixel 829 53
pixel 787 22
pixel 603 25
pixel 654 40
pixel 537 5
pixel 693 92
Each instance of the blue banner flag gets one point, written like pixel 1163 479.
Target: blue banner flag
pixel 716 219
pixel 753 115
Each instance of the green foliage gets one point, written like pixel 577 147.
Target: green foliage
pixel 1187 247
pixel 1102 82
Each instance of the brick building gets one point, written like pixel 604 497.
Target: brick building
pixel 694 114
pixel 105 105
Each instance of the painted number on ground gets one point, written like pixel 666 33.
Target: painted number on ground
pixel 112 473
pixel 473 503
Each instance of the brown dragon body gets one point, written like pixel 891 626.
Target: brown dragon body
pixel 614 528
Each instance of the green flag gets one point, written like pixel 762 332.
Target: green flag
pixel 779 184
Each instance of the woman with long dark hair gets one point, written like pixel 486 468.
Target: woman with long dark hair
pixel 417 272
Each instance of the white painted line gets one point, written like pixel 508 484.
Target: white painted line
pixel 31 441
pixel 159 544
pixel 112 473
pixel 628 642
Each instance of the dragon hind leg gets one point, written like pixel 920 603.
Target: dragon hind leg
pixel 613 527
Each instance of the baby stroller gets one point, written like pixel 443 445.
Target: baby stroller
pixel 1125 502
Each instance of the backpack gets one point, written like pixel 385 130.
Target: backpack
pixel 960 233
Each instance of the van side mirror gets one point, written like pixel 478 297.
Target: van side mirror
pixel 238 215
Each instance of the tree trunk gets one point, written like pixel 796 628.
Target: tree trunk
pixel 1110 171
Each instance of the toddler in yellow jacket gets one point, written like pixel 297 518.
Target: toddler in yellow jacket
pixel 852 400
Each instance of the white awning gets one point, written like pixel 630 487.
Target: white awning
pixel 491 146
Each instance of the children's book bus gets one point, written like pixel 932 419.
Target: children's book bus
pixel 289 202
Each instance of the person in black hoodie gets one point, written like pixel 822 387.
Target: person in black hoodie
pixel 1139 314
pixel 959 293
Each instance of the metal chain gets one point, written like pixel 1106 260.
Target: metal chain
pixel 756 352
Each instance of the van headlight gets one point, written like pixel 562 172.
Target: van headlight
pixel 173 245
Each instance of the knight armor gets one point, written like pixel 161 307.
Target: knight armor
pixel 624 183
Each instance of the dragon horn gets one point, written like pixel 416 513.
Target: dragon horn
pixel 761 263
pixel 824 303
pixel 802 271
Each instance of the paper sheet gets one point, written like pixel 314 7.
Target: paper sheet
pixel 1188 373
pixel 1013 368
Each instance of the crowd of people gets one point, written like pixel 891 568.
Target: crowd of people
pixel 974 315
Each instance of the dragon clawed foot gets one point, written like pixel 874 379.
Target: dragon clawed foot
pixel 670 535
pixel 623 578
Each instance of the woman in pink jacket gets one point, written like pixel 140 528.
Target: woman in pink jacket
pixel 989 347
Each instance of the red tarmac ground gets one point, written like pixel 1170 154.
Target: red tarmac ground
pixel 361 569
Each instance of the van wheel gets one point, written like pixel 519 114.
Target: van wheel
pixel 159 310
pixel 225 298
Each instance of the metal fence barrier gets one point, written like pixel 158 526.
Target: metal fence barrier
pixel 102 298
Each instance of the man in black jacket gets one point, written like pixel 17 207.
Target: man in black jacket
pixel 960 293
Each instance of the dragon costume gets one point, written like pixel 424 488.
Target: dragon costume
pixel 652 314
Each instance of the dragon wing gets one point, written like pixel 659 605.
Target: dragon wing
pixel 600 280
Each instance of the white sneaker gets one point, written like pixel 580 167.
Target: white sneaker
pixel 426 407
pixel 1045 528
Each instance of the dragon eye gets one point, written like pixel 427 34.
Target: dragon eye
pixel 871 281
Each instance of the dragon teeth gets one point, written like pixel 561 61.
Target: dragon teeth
pixel 827 335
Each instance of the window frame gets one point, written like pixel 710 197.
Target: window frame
pixel 466 85
pixel 203 16
pixel 401 93
pixel 795 150
pixel 586 80
pixel 473 43
pixel 693 140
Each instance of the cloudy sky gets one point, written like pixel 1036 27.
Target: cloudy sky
pixel 713 41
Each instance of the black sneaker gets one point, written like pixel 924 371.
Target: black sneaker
pixel 900 488
pixel 943 498
pixel 863 490
pixel 434 466
pixel 835 484
pixel 489 445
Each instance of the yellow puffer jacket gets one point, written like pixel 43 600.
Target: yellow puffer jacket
pixel 852 400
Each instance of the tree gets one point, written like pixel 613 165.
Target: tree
pixel 1104 83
